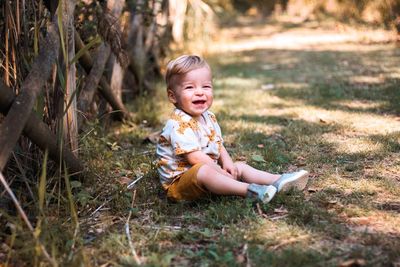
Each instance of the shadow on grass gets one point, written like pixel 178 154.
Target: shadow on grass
pixel 321 78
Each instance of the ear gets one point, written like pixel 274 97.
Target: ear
pixel 171 96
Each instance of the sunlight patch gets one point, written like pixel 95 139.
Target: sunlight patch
pixel 361 105
pixel 237 82
pixel 375 124
pixel 298 85
pixel 352 144
pixel 274 233
pixel 357 121
pixel 301 39
pixel 367 79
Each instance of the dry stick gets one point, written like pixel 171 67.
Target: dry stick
pixel 39 133
pixel 25 219
pixel 92 80
pixel 289 241
pixel 87 63
pixel 18 115
pixel 128 234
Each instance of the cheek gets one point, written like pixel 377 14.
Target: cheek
pixel 186 96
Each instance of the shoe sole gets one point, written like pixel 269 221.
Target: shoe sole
pixel 299 182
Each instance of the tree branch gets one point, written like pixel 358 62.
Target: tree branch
pixel 92 81
pixel 39 133
pixel 87 63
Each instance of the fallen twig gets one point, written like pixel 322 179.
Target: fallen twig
pixel 26 220
pixel 128 234
pixel 165 227
pixel 101 206
pixel 132 184
pixel 260 212
pixel 274 218
pixel 289 241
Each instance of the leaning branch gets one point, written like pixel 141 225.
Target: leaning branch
pixel 39 133
pixel 87 63
pixel 92 81
pixel 18 115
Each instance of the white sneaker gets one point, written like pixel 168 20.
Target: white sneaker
pixel 296 180
pixel 263 193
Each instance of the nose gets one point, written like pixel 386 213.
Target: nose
pixel 199 91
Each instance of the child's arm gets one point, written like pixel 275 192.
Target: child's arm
pixel 200 157
pixel 227 163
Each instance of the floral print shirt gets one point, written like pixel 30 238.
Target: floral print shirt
pixel 183 134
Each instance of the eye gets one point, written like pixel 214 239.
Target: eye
pixel 207 87
pixel 189 87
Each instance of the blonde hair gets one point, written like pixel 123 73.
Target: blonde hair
pixel 183 65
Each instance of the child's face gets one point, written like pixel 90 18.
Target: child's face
pixel 192 92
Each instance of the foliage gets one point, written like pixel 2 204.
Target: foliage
pixel 365 11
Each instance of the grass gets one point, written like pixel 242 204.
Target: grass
pixel 330 108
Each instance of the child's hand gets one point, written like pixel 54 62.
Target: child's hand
pixel 231 168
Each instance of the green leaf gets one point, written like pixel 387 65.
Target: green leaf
pixel 258 158
pixel 75 184
pixel 42 182
pixel 83 197
pixel 213 254
pixel 61 30
pixel 207 233
pixel 86 48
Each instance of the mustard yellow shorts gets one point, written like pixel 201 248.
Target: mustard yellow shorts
pixel 186 187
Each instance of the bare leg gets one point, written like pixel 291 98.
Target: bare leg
pixel 252 175
pixel 220 184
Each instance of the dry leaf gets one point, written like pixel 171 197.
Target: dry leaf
pixel 124 180
pixel 361 220
pixel 241 158
pixel 260 146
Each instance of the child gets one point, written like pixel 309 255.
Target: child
pixel 192 160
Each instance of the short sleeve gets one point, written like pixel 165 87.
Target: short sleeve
pixel 184 141
pixel 216 126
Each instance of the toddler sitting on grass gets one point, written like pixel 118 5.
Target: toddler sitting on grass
pixel 192 159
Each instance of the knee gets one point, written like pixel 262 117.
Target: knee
pixel 204 173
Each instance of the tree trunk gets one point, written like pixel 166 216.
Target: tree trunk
pixel 137 54
pixel 18 115
pixel 70 95
pixel 117 73
pixel 177 11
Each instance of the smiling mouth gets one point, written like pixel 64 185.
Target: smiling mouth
pixel 199 102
